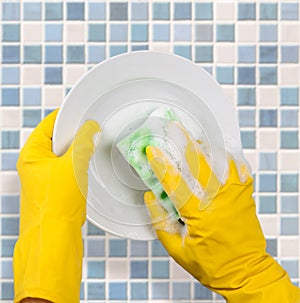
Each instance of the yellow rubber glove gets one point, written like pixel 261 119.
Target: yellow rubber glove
pixel 48 254
pixel 221 244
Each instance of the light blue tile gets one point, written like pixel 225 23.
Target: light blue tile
pixel 204 54
pixel 160 269
pixel 96 291
pixel 289 183
pixel 225 75
pixel 118 32
pixel 117 247
pixel 7 290
pixel 47 111
pixel 75 10
pixel 96 269
pixel 11 32
pixel 32 11
pixel 53 54
pixel 75 54
pixel 289 118
pixel 268 118
pixel 267 205
pixel 139 290
pixel 139 47
pixel 158 250
pixel 203 11
pixel 183 51
pixel 161 32
pixel 289 11
pixel 268 33
pixel 267 183
pixel 139 269
pixel 10 204
pixel 10 11
pixel 31 117
pixel 138 248
pixel 94 230
pixel 201 292
pixel 272 247
pixel 95 248
pixel 268 54
pixel 139 32
pixel 32 54
pixel 10 96
pixel 10 54
pixel 246 118
pixel 31 96
pixel 139 11
pixel 225 32
pixel 118 291
pixel 289 139
pixel 246 75
pixel 292 267
pixel 97 32
pixel 160 290
pixel 10 75
pixel 247 11
pixel 161 11
pixel 290 54
pixel 118 11
pixel 97 11
pixel 6 269
pixel 10 226
pixel 289 226
pixel 53 11
pixel 248 139
pixel 289 95
pixel 181 291
pixel 246 96
pixel 203 32
pixel 117 50
pixel 289 204
pixel 8 161
pixel 268 11
pixel 268 75
pixel 267 161
pixel 82 292
pixel 182 11
pixel 53 32
pixel 10 139
pixel 247 54
pixel 7 247
pixel 96 53
pixel 182 32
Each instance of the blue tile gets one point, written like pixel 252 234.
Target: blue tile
pixel 53 54
pixel 246 96
pixel 31 96
pixel 31 117
pixel 32 11
pixel 225 75
pixel 225 32
pixel 97 32
pixel 139 290
pixel 161 32
pixel 246 75
pixel 247 11
pixel 118 11
pixel 97 11
pixel 10 96
pixel 246 118
pixel 75 54
pixel 53 11
pixel 289 226
pixel 139 269
pixel 53 32
pixel 291 266
pixel 290 54
pixel 268 183
pixel 248 139
pixel 183 51
pixel 267 205
pixel 138 248
pixel 268 118
pixel 267 161
pixel 32 54
pixel 75 10
pixel 118 291
pixel 95 248
pixel 139 11
pixel 182 32
pixel 96 291
pixel 268 11
pixel 96 53
pixel 117 50
pixel 82 293
pixel 96 269
pixel 10 75
pixel 158 250
pixel 268 54
pixel 201 292
pixel 7 290
pixel 289 118
pixel 161 11
pixel 203 11
pixel 8 161
pixel 289 11
pixel 10 139
pixel 10 54
pixel 272 247
pixel 10 11
pixel 181 291
pixel 7 247
pixel 53 75
pixel 160 269
pixel 6 269
pixel 289 183
pixel 139 47
pixel 139 32
pixel 289 96
pixel 289 204
pixel 11 32
pixel 117 247
pixel 160 290
pixel 247 54
pixel 10 204
pixel 268 33
pixel 204 54
pixel 268 75
pixel 289 139
pixel 203 32
pixel 118 32
pixel 10 226
pixel 182 11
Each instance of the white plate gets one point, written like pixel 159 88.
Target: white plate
pixel 119 93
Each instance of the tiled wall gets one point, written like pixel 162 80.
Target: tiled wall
pixel 250 47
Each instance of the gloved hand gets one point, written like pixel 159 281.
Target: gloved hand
pixel 221 244
pixel 48 254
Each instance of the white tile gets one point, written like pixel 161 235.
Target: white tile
pixel 225 54
pixel 267 96
pixel 289 247
pixel 74 32
pixel 289 160
pixel 9 183
pixel 289 32
pixel 32 32
pixel 177 272
pixel 116 269
pixel 25 133
pixel 53 96
pixel 73 73
pixel 251 158
pixel 289 75
pixel 246 32
pixel 225 11
pixel 267 139
pixel 10 118
pixel 32 75
pixel 269 225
